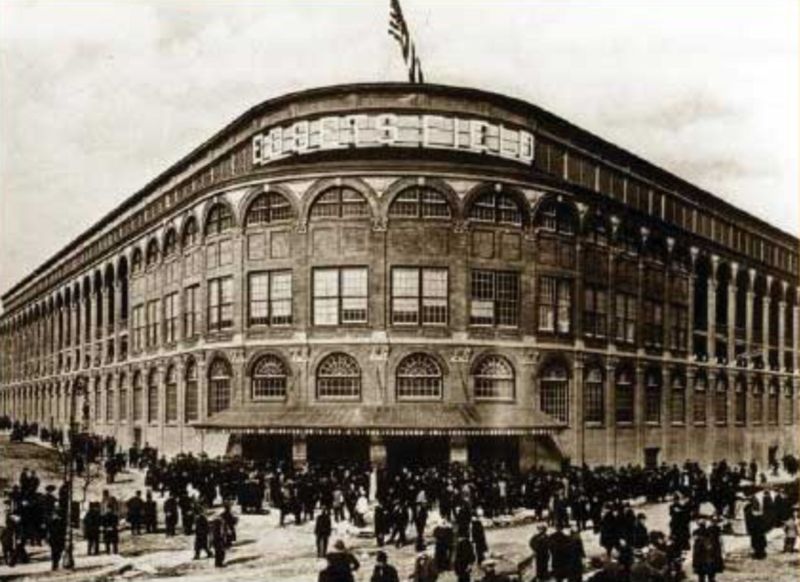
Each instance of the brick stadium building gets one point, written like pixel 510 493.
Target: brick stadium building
pixel 393 272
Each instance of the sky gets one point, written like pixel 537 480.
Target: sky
pixel 99 96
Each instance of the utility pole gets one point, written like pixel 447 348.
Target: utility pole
pixel 77 386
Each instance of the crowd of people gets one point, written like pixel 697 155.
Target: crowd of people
pixel 442 510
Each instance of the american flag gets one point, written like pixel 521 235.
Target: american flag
pixel 398 28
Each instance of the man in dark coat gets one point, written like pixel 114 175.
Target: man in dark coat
pixel 463 559
pixel 479 539
pixel 383 571
pixel 92 523
pixel 705 554
pixel 443 545
pixel 187 507
pixel 218 541
pixel 341 563
pixel 420 520
pixel 679 522
pixel 561 553
pixel 57 537
pixel 135 513
pixel 756 529
pixel 170 515
pixel 322 532
pixel 201 536
pixel 400 523
pixel 381 522
pixel 639 533
pixel 576 554
pixel 150 514
pixel 540 546
pixel 111 530
pixel 229 522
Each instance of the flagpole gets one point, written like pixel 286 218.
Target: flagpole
pixel 399 30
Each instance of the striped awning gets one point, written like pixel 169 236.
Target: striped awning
pixel 419 419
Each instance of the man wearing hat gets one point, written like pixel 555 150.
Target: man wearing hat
pixel 424 568
pixel 383 571
pixel 341 563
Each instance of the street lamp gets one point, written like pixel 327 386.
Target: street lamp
pixel 78 386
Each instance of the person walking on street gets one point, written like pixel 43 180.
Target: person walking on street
pixel 201 536
pixel 322 532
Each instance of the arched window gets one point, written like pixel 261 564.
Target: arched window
pixel 774 397
pixel 419 376
pixel 339 202
pixel 219 386
pixel 741 401
pixel 652 401
pixel 699 411
pixel 171 395
pixel 419 202
pixel 268 207
pixel 594 407
pixel 170 243
pixel 269 378
pixel 122 405
pixel 758 402
pixel 494 378
pixel 152 253
pixel 554 392
pixel 152 397
pixel 138 397
pixel 624 394
pixel 136 260
pixel 721 400
pixel 788 403
pixel 219 219
pixel 497 207
pixel 554 216
pixel 191 404
pixel 339 378
pixel 189 232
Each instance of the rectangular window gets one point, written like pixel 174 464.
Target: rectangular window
pixel 190 311
pixel 170 317
pixel 555 304
pixel 653 322
pixel 593 401
pixel 625 318
pixel 699 409
pixel 679 324
pixel 652 403
pixel 191 404
pixel 109 404
pixel 171 404
pixel 270 298
pixel 122 408
pixel 419 296
pixel 220 303
pixel 340 296
pixel 494 298
pixel 152 323
pixel 595 311
pixel 138 327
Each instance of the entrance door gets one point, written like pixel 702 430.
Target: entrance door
pixel 137 437
pixel 417 451
pixel 651 457
pixel 493 451
pixel 338 449
pixel 274 448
